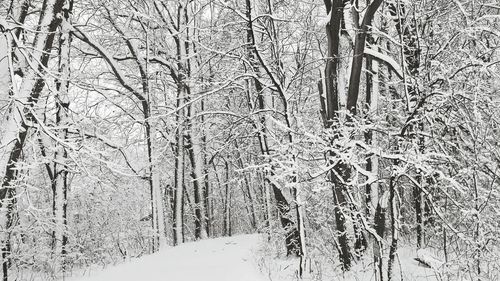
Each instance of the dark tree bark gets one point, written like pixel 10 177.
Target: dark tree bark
pixel 206 189
pixel 371 104
pixel 292 238
pixel 206 199
pixel 60 168
pixel 32 85
pixel 379 220
pixel 411 54
pixel 342 170
pixel 227 202
pixel 336 8
pixel 394 225
pixel 359 49
pixel 247 192
pixel 197 187
pixel 178 194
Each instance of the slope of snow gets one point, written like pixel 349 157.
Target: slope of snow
pixel 325 268
pixel 220 259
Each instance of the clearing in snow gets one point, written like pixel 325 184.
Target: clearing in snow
pixel 220 259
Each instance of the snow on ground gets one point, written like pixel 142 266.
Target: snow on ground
pixel 249 258
pixel 322 268
pixel 220 259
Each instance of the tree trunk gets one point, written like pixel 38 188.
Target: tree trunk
pixel 182 97
pixel 331 109
pixel 60 170
pixel 342 172
pixel 196 159
pixel 375 206
pixel 335 9
pixel 379 220
pixel 292 239
pixel 247 192
pixel 359 49
pixel 394 226
pixel 179 178
pixel 302 231
pixel 15 127
pixel 206 194
pixel 206 180
pixel 268 213
pixel 372 94
pixel 410 52
pixel 340 202
pixel 227 203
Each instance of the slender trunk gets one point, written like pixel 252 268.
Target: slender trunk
pixel 392 199
pixel 198 185
pixel 379 220
pixel 418 198
pixel 197 139
pixel 302 232
pixel 394 226
pixel 223 198
pixel 186 50
pixel 179 193
pixel 357 61
pixel 206 198
pixel 247 193
pixel 60 170
pixel 445 236
pixel 159 209
pixel 246 203
pixel 292 239
pixel 227 203
pixel 340 203
pixel 267 213
pixel 410 53
pixel 331 110
pixel 179 177
pixel 252 204
pixel 375 206
pixel 278 78
pixel 22 14
pixel 183 72
pixel 6 245
pixel 15 127
pixel 206 189
pixel 151 182
pixel 335 9
pixel 200 177
pixel 372 94
pixel 477 223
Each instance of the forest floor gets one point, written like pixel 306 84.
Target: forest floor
pixel 220 259
pixel 244 258
pixel 322 265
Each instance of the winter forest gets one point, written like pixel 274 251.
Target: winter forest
pixel 346 139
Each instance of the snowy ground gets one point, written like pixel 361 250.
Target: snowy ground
pixel 322 268
pixel 221 259
pixel 245 258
